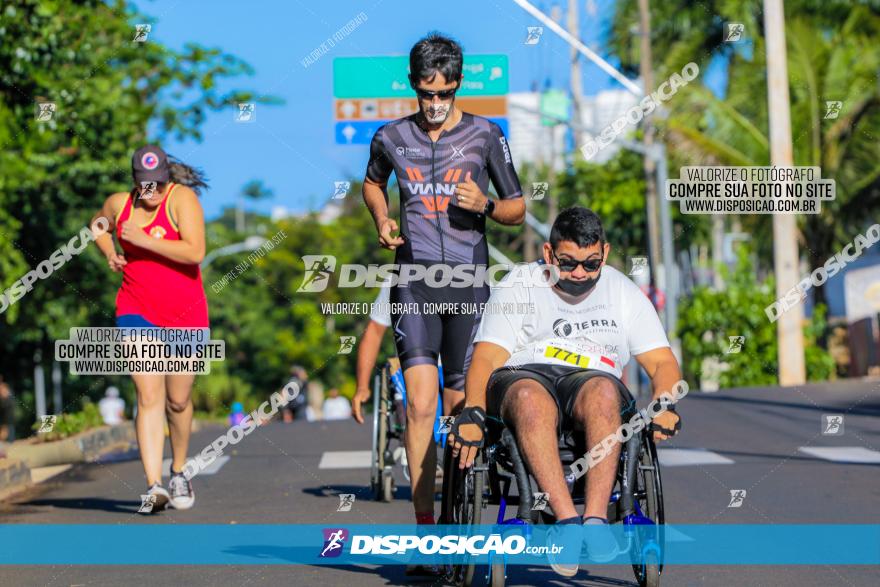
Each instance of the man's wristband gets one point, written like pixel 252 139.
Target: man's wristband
pixel 667 405
pixel 489 208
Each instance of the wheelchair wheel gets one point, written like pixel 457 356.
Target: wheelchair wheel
pixel 379 477
pixel 649 498
pixel 387 487
pixel 462 505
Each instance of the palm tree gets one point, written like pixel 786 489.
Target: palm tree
pixel 254 191
pixel 832 56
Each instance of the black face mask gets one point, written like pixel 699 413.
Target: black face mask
pixel 578 288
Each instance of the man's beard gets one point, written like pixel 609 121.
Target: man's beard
pixel 437 113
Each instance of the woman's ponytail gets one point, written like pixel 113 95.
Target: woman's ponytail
pixel 182 173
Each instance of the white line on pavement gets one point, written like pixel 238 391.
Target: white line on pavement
pixel 689 457
pixel 345 459
pixel 843 454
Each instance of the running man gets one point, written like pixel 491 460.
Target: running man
pixel 569 344
pixel 444 160
pixel 160 227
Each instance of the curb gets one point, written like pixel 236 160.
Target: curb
pixel 15 470
pixel 14 476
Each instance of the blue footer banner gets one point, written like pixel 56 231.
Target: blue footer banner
pixel 376 544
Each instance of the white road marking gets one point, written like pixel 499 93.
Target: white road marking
pixel 689 457
pixel 345 459
pixel 211 469
pixel 843 454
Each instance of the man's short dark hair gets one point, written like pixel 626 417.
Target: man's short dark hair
pixel 435 53
pixel 579 225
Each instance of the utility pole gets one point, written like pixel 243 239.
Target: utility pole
pixel 646 70
pixel 792 370
pixel 576 81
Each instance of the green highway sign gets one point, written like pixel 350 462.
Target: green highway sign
pixel 554 103
pixel 386 76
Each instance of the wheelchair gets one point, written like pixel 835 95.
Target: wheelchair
pixel 389 424
pixel 636 499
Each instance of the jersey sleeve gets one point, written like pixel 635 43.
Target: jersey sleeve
pixel 381 310
pixel 644 332
pixel 379 167
pixel 500 165
pixel 499 325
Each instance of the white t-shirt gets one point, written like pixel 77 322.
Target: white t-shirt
pixel 111 409
pixel 603 331
pixel 381 310
pixel 336 408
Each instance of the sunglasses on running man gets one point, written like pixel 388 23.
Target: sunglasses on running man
pixel 442 94
pixel 589 265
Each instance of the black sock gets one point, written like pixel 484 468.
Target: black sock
pixel 571 520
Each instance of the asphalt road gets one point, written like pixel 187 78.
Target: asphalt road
pixel 768 442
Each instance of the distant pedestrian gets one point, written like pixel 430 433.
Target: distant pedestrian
pixel 237 414
pixel 336 407
pixel 7 412
pixel 296 409
pixel 112 407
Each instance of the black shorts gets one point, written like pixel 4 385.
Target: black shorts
pixel 422 336
pixel 561 382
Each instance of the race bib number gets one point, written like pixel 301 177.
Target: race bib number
pixel 581 354
pixel 578 360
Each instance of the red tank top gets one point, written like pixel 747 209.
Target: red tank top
pixel 166 293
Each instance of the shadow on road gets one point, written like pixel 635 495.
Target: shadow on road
pixel 88 503
pixel 401 493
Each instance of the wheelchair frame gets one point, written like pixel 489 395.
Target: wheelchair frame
pixel 636 499
pixel 386 428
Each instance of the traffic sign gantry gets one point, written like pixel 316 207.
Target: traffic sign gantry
pixel 386 77
pixel 370 91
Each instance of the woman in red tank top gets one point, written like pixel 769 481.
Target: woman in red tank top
pixel 160 227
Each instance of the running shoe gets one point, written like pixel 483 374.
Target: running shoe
pixel 599 540
pixel 567 538
pixel 156 500
pixel 181 489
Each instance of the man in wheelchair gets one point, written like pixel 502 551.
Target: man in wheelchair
pixel 548 358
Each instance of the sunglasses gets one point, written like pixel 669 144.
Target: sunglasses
pixel 589 265
pixel 442 94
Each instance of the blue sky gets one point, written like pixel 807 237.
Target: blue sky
pixel 292 147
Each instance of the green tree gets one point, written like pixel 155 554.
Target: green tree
pixel 738 310
pixel 107 90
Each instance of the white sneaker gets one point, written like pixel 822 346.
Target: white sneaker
pixel 182 495
pixel 157 500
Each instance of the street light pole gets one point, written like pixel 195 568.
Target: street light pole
pixel 792 370
pixel 251 243
pixel 646 69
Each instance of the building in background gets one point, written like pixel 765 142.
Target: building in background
pixel 530 141
pixel 600 110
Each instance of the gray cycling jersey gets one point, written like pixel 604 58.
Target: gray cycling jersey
pixel 436 230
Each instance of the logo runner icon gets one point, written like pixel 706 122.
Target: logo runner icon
pixel 334 541
pixel 318 271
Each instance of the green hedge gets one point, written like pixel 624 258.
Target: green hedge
pixel 709 317
pixel 73 423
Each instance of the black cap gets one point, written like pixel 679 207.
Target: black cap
pixel 150 163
